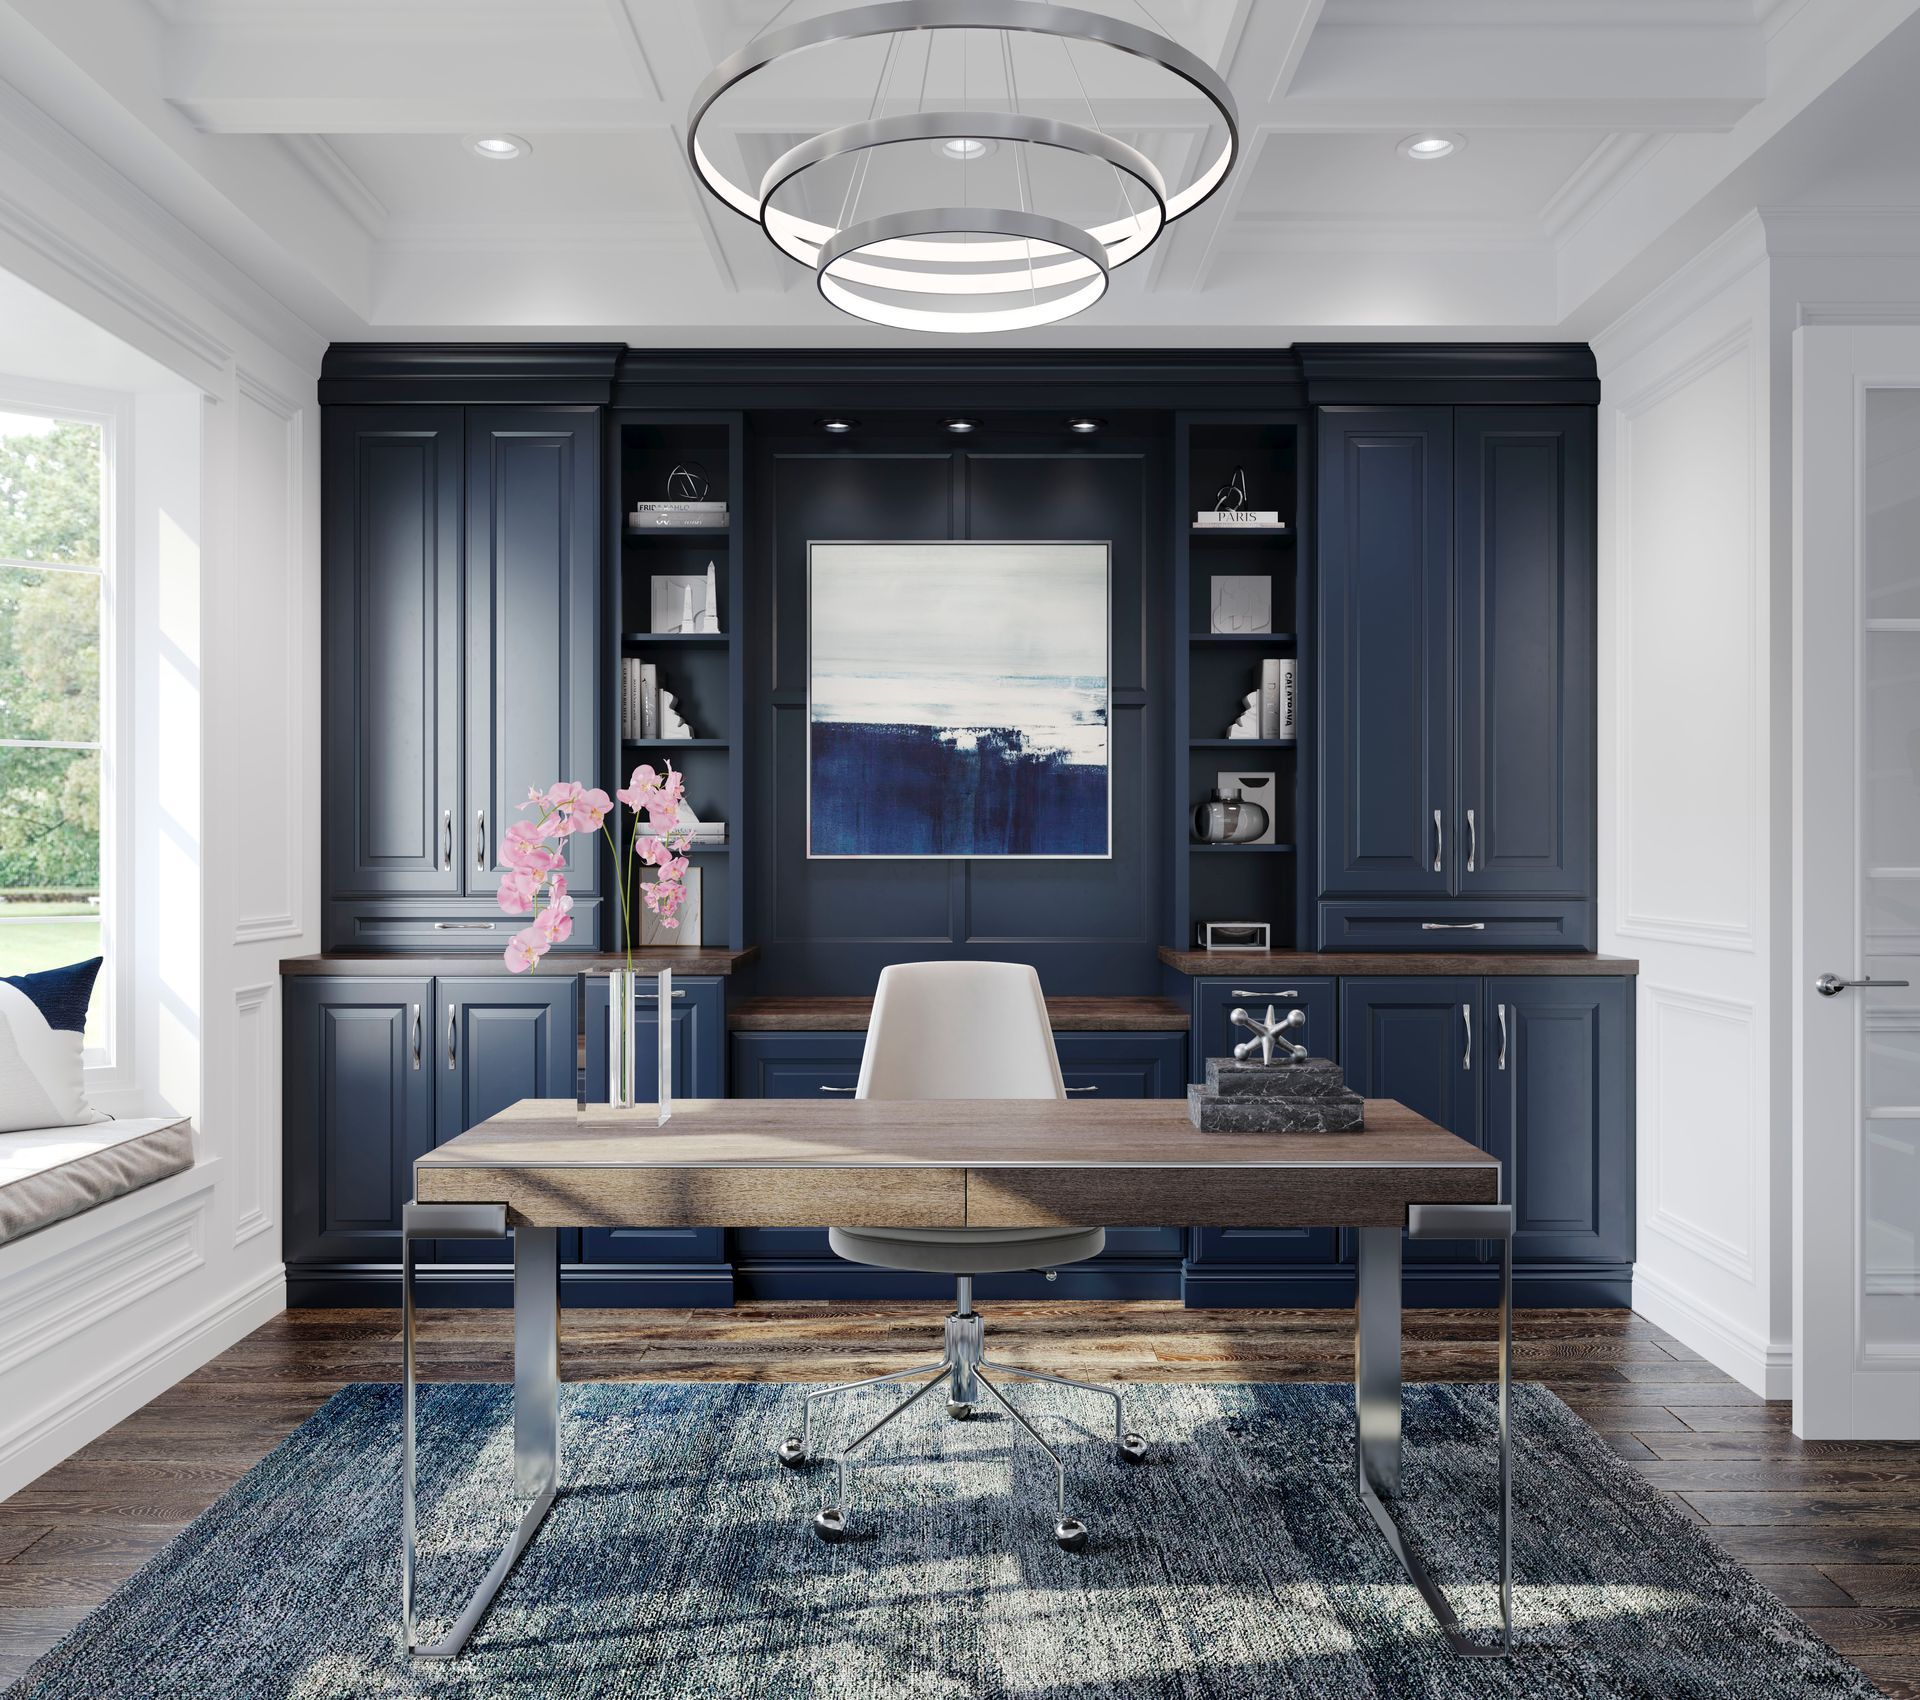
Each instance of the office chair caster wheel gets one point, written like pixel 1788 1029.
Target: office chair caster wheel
pixel 959 1410
pixel 1133 1449
pixel 830 1523
pixel 1071 1533
pixel 792 1452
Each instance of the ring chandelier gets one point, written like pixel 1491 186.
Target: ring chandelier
pixel 923 269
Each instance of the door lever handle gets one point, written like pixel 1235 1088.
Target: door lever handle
pixel 1831 985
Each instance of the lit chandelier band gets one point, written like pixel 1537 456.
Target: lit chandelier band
pixel 1020 228
pixel 804 241
pixel 898 17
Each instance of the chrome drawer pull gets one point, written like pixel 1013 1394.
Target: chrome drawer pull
pixel 416 1035
pixel 839 1089
pixel 1238 992
pixel 480 841
pixel 1502 1008
pixel 1473 842
pixel 1439 841
pixel 1083 1089
pixel 453 1035
pixel 463 926
pixel 446 838
pixel 1453 926
pixel 1466 1015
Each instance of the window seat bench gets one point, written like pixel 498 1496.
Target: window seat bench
pixel 49 1174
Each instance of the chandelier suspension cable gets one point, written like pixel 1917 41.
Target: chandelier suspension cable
pixel 1021 180
pixel 857 179
pixel 1093 118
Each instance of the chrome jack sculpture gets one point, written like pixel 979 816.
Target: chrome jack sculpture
pixel 961 1368
pixel 1269 1035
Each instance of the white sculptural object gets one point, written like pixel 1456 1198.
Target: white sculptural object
pixel 1248 725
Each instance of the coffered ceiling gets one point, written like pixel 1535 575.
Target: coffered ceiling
pixel 323 148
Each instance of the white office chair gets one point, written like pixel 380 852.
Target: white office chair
pixel 961 1030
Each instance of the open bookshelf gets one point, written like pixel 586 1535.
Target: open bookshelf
pixel 704 670
pixel 1214 671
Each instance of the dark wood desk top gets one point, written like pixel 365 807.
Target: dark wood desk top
pixel 850 1015
pixel 1348 962
pixel 1002 1163
pixel 682 959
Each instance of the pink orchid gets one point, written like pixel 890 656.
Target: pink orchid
pixel 518 889
pixel 524 949
pixel 590 810
pixel 555 926
pixel 639 788
pixel 561 799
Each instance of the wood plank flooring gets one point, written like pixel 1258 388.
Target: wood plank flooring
pixel 1833 1528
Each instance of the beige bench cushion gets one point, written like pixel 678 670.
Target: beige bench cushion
pixel 50 1173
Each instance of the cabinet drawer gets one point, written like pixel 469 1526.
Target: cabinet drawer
pixel 1457 925
pixel 1123 1065
pixel 451 928
pixel 1215 1000
pixel 796 1065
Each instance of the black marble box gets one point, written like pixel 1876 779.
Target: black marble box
pixel 1310 1096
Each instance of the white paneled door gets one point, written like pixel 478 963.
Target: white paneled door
pixel 1856 953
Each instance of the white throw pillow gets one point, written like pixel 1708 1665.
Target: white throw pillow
pixel 42 1020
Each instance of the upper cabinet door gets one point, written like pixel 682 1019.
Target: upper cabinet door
pixel 1386 777
pixel 392 650
pixel 533 588
pixel 1524 573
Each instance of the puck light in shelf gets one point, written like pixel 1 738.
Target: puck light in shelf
pixel 836 424
pixel 1085 425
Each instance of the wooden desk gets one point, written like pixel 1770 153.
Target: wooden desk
pixel 541 1165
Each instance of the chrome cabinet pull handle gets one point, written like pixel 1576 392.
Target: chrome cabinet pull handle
pixel 480 841
pixel 1083 1089
pixel 446 838
pixel 1439 841
pixel 416 1036
pixel 1473 841
pixel 1466 1015
pixel 463 926
pixel 1831 985
pixel 1502 1009
pixel 839 1089
pixel 1239 992
pixel 453 1035
pixel 1453 926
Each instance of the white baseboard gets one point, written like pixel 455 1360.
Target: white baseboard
pixel 1763 1366
pixel 51 1434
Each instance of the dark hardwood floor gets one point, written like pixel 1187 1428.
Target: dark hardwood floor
pixel 1833 1528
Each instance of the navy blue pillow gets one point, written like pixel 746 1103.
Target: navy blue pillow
pixel 61 994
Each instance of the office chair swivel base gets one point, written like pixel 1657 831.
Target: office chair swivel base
pixel 960 1370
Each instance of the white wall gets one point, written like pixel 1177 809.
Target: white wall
pixel 100 1313
pixel 1696 717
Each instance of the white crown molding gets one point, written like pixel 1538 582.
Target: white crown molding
pixel 1717 267
pixel 322 162
pixel 1318 233
pixel 409 236
pixel 1842 232
pixel 1614 163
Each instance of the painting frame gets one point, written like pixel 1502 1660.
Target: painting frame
pixel 1105 546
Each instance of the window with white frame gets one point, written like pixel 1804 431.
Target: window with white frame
pixel 56 597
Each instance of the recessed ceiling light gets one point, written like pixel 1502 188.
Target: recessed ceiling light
pixel 1085 426
pixel 960 427
pixel 966 147
pixel 501 146
pixel 839 427
pixel 1434 144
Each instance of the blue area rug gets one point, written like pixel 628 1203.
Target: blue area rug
pixel 1236 1565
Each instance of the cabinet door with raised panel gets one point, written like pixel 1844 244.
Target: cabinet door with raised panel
pixel 1560 1114
pixel 1524 611
pixel 494 1041
pixel 532 602
pixel 391 545
pixel 1385 659
pixel 359 1110
pixel 1421 1041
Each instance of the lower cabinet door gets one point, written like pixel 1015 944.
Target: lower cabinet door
pixel 1423 1041
pixel 1123 1065
pixel 495 1041
pixel 1214 1000
pixel 699 1029
pixel 1560 1114
pixel 358 1109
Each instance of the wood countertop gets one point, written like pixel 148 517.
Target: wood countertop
pixel 682 959
pixel 1350 962
pixel 850 1015
pixel 997 1163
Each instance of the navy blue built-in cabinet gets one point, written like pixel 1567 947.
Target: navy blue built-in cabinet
pixel 1456 649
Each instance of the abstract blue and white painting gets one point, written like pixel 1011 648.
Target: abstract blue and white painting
pixel 957 700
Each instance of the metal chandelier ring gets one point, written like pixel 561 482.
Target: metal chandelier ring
pixel 1032 17
pixel 938 126
pixel 981 221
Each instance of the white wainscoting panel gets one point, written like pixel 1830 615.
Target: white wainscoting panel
pixel 253 1103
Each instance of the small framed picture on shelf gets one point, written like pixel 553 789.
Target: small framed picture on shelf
pixel 1240 602
pixel 686 603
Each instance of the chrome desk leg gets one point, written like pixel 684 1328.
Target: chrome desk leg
pixel 1377 1397
pixel 536 1396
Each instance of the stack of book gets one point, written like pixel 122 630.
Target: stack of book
pixel 679 516
pixel 639 699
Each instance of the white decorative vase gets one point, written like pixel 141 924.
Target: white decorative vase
pixel 623 1037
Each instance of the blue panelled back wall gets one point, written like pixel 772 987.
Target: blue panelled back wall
pixel 831 926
